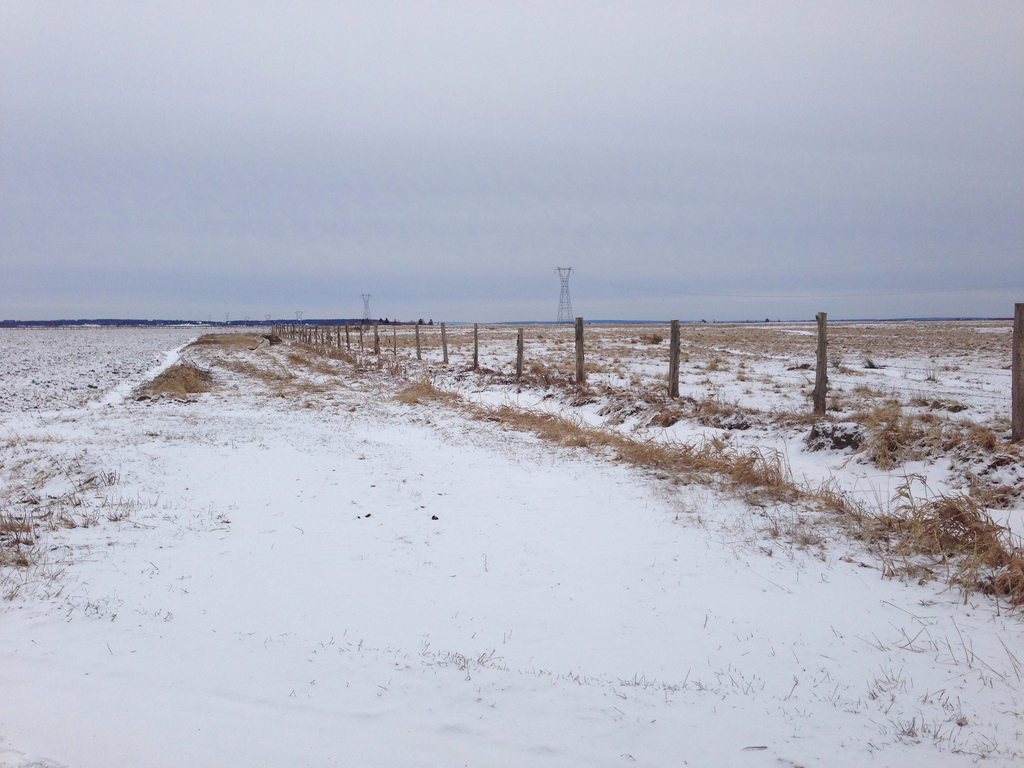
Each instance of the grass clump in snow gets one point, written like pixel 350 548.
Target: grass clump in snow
pixel 16 537
pixel 889 435
pixel 179 381
pixel 228 341
pixel 423 390
pixel 981 553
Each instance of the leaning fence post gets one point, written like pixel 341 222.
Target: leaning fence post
pixel 581 374
pixel 1017 374
pixel 673 360
pixel 444 344
pixel 419 354
pixel 476 347
pixel 519 354
pixel 821 373
pixel 376 339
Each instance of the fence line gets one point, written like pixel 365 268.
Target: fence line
pixel 331 335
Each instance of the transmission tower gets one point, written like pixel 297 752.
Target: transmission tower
pixel 564 302
pixel 298 317
pixel 366 307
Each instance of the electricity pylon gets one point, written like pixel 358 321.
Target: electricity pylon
pixel 564 302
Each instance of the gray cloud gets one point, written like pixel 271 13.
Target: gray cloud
pixel 719 161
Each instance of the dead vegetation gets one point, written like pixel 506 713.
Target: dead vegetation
pixel 178 382
pixel 959 536
pixel 45 489
pixel 422 391
pixel 231 342
pixel 761 475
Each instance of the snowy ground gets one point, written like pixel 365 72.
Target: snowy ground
pixel 48 369
pixel 258 578
pixel 946 374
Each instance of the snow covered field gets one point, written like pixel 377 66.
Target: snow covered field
pixel 298 569
pixel 68 367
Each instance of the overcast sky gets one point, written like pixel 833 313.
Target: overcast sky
pixel 688 160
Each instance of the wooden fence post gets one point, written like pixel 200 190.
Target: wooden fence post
pixel 821 372
pixel 376 339
pixel 348 343
pixel 444 344
pixel 360 337
pixel 394 340
pixel 1017 374
pixel 581 374
pixel 419 353
pixel 519 354
pixel 673 360
pixel 476 347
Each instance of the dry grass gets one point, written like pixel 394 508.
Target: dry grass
pixel 179 381
pixel 43 488
pixel 893 436
pixel 286 369
pixel 231 342
pixel 422 391
pixel 888 435
pixel 274 376
pixel 980 553
pixel 762 473
pixel 16 540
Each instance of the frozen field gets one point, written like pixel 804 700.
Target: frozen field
pixel 312 564
pixel 49 369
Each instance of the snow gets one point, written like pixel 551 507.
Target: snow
pixel 68 366
pixel 281 595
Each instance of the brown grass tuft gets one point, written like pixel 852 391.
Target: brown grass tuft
pixel 981 437
pixel 228 341
pixel 422 391
pixel 888 434
pixel 960 532
pixel 15 536
pixel 179 381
